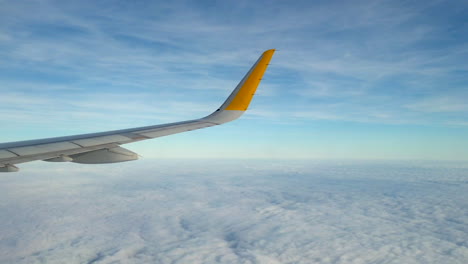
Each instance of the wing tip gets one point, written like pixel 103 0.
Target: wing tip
pixel 239 100
pixel 269 51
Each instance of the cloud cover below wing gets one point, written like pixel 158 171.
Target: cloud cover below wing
pixel 242 212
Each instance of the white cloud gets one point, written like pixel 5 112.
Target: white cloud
pixel 335 50
pixel 179 211
pixel 440 104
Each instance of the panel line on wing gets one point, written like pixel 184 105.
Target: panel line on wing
pixel 76 144
pixel 216 124
pixel 18 155
pixel 5 154
pixel 135 136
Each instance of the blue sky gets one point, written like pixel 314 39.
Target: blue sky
pixel 351 79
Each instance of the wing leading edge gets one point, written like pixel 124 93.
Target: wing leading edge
pixel 104 147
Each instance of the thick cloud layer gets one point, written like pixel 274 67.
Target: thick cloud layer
pixel 236 212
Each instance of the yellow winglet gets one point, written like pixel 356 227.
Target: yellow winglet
pixel 248 85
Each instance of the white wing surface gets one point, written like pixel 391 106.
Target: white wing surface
pixel 104 147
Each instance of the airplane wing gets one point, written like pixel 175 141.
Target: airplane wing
pixel 104 147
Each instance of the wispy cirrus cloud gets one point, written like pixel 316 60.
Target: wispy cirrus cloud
pixel 362 62
pixel 441 104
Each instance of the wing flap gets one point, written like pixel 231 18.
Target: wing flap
pixel 88 142
pixel 54 154
pixel 6 154
pixel 44 148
